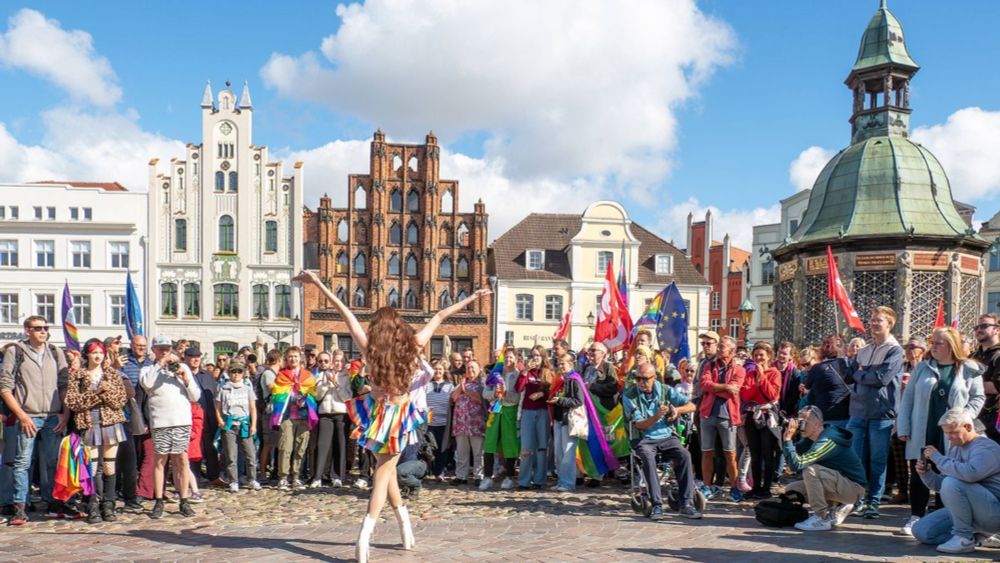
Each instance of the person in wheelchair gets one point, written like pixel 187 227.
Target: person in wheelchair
pixel 651 407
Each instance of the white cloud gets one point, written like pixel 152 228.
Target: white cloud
pixel 738 223
pixel 562 90
pixel 804 170
pixel 967 144
pixel 67 58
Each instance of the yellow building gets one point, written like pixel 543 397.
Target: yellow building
pixel 548 262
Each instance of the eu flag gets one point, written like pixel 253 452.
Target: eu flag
pixel 133 312
pixel 672 330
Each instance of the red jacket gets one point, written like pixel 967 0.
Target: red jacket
pixel 761 388
pixel 709 376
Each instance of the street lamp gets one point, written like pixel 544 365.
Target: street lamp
pixel 746 311
pixel 278 334
pixel 492 280
pixel 590 319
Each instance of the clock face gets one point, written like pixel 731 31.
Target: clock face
pixel 226 128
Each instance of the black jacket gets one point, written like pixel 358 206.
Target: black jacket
pixel 828 389
pixel 572 398
pixel 788 402
pixel 990 358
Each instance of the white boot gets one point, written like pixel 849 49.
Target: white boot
pixel 364 537
pixel 405 530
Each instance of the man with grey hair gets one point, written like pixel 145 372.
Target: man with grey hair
pixel 968 480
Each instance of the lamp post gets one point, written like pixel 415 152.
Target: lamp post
pixel 746 311
pixel 492 280
pixel 278 334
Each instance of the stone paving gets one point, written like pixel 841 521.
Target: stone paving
pixel 456 524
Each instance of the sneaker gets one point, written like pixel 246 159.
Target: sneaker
pixel 134 506
pixel 705 492
pixel 485 484
pixel 814 523
pixel 656 514
pixel 20 517
pixel 689 511
pixel 907 529
pixel 197 498
pixel 735 495
pixel 860 508
pixel 218 483
pixel 337 483
pixel 840 513
pixel 255 485
pixel 361 484
pixel 562 489
pixel 186 509
pixel 991 542
pixel 871 512
pixel 173 499
pixel 157 511
pixel 507 484
pixel 316 484
pixel 234 487
pixel 283 485
pixel 957 544
pixel 743 486
pixel 298 484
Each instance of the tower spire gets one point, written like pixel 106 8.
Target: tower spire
pixel 245 98
pixel 206 98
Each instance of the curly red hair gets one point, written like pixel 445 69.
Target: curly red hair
pixel 392 351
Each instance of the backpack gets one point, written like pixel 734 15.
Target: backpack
pixel 785 511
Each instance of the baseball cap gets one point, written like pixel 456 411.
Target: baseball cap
pixel 710 335
pixel 110 339
pixel 161 341
pixel 192 352
pixel 237 364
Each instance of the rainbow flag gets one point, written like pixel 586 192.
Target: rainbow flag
pixel 495 379
pixel 594 456
pixel 614 433
pixel 72 469
pixel 70 334
pixel 285 395
pixel 652 315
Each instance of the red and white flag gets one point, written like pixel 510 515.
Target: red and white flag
pixel 563 331
pixel 614 324
pixel 837 292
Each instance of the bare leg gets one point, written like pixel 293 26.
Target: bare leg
pixel 384 484
pixel 708 467
pixel 181 474
pixel 161 463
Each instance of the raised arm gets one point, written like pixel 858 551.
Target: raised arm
pixel 425 334
pixel 357 333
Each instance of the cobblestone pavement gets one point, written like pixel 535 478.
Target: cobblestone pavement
pixel 455 524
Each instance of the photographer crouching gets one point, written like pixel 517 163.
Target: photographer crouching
pixel 968 480
pixel 413 464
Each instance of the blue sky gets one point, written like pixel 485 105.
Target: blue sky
pixel 603 125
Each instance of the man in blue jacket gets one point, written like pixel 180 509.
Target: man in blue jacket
pixel 833 478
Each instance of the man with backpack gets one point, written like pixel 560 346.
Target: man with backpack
pixel 33 382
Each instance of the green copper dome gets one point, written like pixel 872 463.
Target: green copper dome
pixel 883 43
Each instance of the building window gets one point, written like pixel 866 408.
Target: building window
pixel 393 300
pixel 220 181
pixel 463 235
pixel 412 201
pixel 395 233
pixel 445 270
pixel 14 212
pixel 45 306
pixel 793 225
pixel 359 296
pixel 734 327
pixel 342 230
pixel 993 302
pixel 463 268
pixel 74 213
pixel 604 259
pixel 767 315
pixel 715 300
pixel 342 294
pixel 394 264
pixel 80 249
pixel 116 305
pixel 38 212
pixel 444 299
pixel 270 236
pixel 411 299
pixel 664 264
pixel 361 233
pixel 447 202
pixel 341 262
pixel 462 295
pixel 346 343
pixel 553 307
pixel 395 200
pixel 81 309
pixel 88 214
pixel 168 300
pixel 412 233
pixel 714 324
pixel 192 300
pixel 411 265
pixel 227 238
pixel 8 308
pixel 360 198
pixel 445 235
pixel 8 253
pixel 359 264
pixel 524 305
pixel 227 300
pixel 180 235
pixel 225 347
pixel 119 254
pixel 994 265
pixel 51 213
pixel 536 260
pixel 283 301
pixel 45 254
pixel 260 305
pixel 233 181
pixel 767 271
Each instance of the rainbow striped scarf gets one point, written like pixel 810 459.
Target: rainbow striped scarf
pixel 72 469
pixel 602 458
pixel 288 390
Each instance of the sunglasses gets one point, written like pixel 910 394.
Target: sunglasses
pixel 645 378
pixel 38 328
pixel 984 326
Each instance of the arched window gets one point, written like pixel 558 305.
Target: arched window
pixel 341 262
pixel 444 299
pixel 413 163
pixel 395 200
pixel 227 234
pixel 342 294
pixel 446 235
pixel 411 299
pixel 397 162
pixel 180 235
pixel 395 233
pixel 411 265
pixel 220 181
pixel 342 231
pixel 227 300
pixel 447 202
pixel 270 236
pixel 393 298
pixel 168 300
pixel 361 233
pixel 360 264
pixel 261 308
pixel 360 198
pixel 394 264
pixel 461 295
pixel 283 301
pixel 444 272
pixel 463 268
pixel 413 201
pixel 233 181
pixel 412 233
pixel 359 296
pixel 463 235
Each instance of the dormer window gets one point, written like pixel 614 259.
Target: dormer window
pixel 664 264
pixel 536 260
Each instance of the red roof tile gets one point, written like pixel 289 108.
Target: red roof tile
pixel 106 186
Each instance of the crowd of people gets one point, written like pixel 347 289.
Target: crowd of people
pixel 849 425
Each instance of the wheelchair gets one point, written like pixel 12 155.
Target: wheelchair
pixel 639 498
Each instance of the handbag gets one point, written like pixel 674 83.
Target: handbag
pixel 136 421
pixel 578 425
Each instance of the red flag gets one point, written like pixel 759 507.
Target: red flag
pixel 614 324
pixel 563 331
pixel 837 292
pixel 939 320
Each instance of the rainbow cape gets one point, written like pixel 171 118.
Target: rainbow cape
pixel 72 469
pixel 286 394
pixel 615 434
pixel 595 448
pixel 495 379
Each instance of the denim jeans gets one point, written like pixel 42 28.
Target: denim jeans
pixel 870 441
pixel 565 449
pixel 15 480
pixel 534 440
pixel 410 473
pixel 969 508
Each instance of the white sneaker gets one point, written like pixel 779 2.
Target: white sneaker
pixel 486 484
pixel 839 514
pixel 337 483
pixel 361 484
pixel 298 484
pixel 234 487
pixel 991 542
pixel 907 529
pixel 283 485
pixel 507 484
pixel 957 544
pixel 814 523
pixel 255 485
pixel 316 484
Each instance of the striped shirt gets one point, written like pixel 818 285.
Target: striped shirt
pixel 438 400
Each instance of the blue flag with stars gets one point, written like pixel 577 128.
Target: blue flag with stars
pixel 672 330
pixel 133 312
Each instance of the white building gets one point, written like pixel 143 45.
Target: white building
pixel 225 228
pixel 763 269
pixel 89 234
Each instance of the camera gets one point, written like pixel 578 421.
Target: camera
pixel 928 464
pixel 174 367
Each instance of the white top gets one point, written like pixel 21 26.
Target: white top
pixel 418 387
pixel 168 400
pixel 333 393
